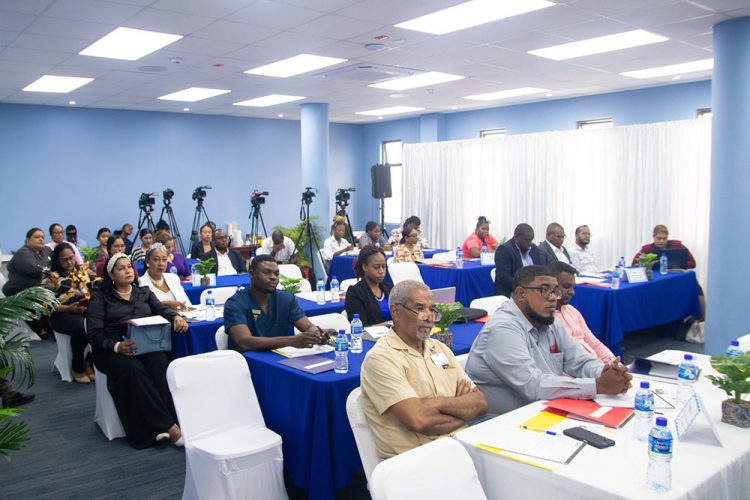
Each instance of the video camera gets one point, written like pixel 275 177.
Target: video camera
pixel 343 195
pixel 308 195
pixel 258 197
pixel 147 201
pixel 167 194
pixel 200 193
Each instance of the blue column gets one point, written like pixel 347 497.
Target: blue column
pixel 728 288
pixel 432 127
pixel 314 154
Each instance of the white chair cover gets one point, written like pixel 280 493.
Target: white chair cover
pixel 445 256
pixel 64 357
pixel 347 283
pixel 229 452
pixel 290 270
pixel 220 294
pixel 489 304
pixel 492 275
pixel 462 359
pixel 106 414
pixel 333 320
pixel 368 453
pixel 222 339
pixel 402 271
pixel 439 469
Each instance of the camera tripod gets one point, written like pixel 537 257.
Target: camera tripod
pixel 145 219
pixel 341 212
pixel 312 239
pixel 172 223
pixel 200 211
pixel 256 221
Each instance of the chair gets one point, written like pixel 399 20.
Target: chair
pixel 229 451
pixel 492 275
pixel 745 342
pixel 439 469
pixel 290 270
pixel 489 304
pixel 106 414
pixel 368 453
pixel 220 294
pixel 222 339
pixel 64 357
pixel 462 359
pixel 402 271
pixel 347 283
pixel 445 256
pixel 333 320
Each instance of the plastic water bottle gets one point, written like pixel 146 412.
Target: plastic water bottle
pixel 173 270
pixel 621 263
pixel 321 287
pixel 210 306
pixel 734 349
pixel 196 280
pixel 459 258
pixel 686 376
pixel 644 412
pixel 616 277
pixel 335 290
pixel 663 264
pixel 659 474
pixel 341 363
pixel 356 329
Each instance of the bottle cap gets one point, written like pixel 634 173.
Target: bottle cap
pixel 736 343
pixel 689 357
pixel 342 332
pixel 661 421
pixel 356 316
pixel 210 292
pixel 645 385
pixel 333 278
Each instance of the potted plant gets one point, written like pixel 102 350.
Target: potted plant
pixel 203 267
pixel 735 383
pixel 290 284
pixel 647 261
pixel 15 358
pixel 447 315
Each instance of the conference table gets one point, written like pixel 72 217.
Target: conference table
pixel 701 468
pixel 342 266
pixel 635 306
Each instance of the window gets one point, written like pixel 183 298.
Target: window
pixel 703 113
pixel 595 124
pixel 492 133
pixel 391 154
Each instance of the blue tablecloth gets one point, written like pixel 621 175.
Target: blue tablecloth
pixel 194 292
pixel 309 412
pixel 342 266
pixel 610 313
pixel 471 282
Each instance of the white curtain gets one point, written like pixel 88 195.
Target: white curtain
pixel 621 182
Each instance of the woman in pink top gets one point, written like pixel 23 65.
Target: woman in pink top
pixel 481 236
pixel 572 319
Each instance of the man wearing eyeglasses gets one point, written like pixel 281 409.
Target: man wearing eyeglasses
pixel 228 261
pixel 523 355
pixel 413 389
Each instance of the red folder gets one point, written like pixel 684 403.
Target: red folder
pixel 591 411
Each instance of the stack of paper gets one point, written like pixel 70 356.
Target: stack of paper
pixel 296 352
pixel 148 321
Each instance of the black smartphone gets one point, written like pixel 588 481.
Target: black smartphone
pixel 588 437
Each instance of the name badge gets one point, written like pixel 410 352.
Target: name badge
pixel 440 360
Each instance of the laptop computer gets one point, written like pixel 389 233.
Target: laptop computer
pixel 444 295
pixel 677 258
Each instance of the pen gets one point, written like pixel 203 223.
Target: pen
pixel 130 346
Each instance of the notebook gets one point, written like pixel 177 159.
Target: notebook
pixel 444 295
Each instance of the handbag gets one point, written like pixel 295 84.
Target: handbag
pixel 151 338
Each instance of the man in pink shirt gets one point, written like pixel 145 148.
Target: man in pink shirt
pixel 571 318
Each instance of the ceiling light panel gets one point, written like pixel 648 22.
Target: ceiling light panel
pixel 505 94
pixel 297 65
pixel 470 14
pixel 393 110
pixel 599 45
pixel 672 69
pixel 57 84
pixel 129 44
pixel 193 94
pixel 269 100
pixel 415 81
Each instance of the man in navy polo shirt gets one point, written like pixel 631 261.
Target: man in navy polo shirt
pixel 258 318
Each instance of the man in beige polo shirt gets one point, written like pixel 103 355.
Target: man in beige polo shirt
pixel 413 389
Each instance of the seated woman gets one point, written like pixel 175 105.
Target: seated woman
pixel 26 266
pixel 115 244
pixel 71 283
pixel 412 222
pixel 662 242
pixel 369 297
pixel 373 236
pixel 336 244
pixel 137 383
pixel 205 243
pixel 176 262
pixel 481 236
pixel 102 237
pixel 139 252
pixel 409 250
pixel 166 286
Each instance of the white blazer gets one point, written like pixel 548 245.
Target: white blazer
pixel 173 283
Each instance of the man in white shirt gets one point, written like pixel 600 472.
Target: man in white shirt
pixel 228 261
pixel 552 249
pixel 581 256
pixel 280 247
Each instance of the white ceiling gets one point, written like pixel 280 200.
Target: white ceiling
pixel 223 38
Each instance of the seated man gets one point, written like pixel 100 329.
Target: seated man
pixel 581 256
pixel 662 242
pixel 523 355
pixel 571 318
pixel 413 390
pixel 258 317
pixel 228 261
pixel 512 255
pixel 280 247
pixel 552 249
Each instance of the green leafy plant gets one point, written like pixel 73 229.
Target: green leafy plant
pixel 647 260
pixel 303 247
pixel 290 284
pixel 735 371
pixel 89 255
pixel 204 266
pixel 448 315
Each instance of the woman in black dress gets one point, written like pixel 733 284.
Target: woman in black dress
pixel 137 383
pixel 369 297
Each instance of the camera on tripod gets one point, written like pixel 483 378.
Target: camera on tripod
pixel 258 197
pixel 147 201
pixel 167 194
pixel 200 193
pixel 308 195
pixel 343 195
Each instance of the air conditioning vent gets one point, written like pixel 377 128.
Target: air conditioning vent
pixel 371 73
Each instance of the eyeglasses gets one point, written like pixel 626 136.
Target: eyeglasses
pixel 546 291
pixel 221 237
pixel 425 314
